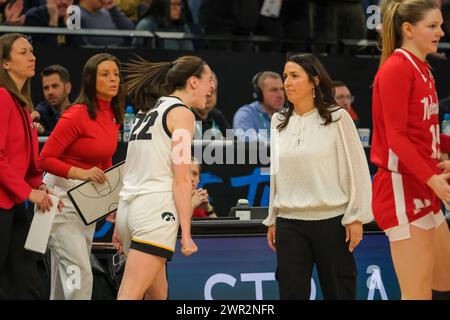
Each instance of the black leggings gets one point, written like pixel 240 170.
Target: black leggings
pixel 19 278
pixel 301 244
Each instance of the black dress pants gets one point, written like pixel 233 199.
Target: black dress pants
pixel 19 278
pixel 301 244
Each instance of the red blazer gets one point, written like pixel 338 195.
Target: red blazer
pixel 18 152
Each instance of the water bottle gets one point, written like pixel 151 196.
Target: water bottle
pixel 128 123
pixel 446 131
pixel 243 209
pixel 446 124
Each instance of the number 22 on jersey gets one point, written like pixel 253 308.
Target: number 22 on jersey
pixel 143 125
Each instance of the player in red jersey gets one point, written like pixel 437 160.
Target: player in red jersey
pixel 408 186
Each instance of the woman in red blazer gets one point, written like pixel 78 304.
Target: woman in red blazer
pixel 20 180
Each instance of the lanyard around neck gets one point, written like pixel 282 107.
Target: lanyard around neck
pixel 262 120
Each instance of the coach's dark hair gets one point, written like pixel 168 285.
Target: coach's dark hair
pixel 58 69
pixel 147 81
pixel 324 99
pixel 88 92
pixel 24 96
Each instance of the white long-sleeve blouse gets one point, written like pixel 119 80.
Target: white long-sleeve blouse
pixel 317 171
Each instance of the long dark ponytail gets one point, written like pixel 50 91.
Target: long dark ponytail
pixel 147 81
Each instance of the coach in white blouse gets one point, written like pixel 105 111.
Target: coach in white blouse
pixel 320 188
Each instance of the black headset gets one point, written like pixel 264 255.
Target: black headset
pixel 257 92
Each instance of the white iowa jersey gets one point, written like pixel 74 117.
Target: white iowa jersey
pixel 148 165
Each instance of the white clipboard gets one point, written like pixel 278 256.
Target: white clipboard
pixel 40 228
pixel 95 201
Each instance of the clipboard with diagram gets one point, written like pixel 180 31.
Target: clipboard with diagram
pixel 94 201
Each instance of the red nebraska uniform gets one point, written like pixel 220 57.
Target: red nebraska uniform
pixel 406 141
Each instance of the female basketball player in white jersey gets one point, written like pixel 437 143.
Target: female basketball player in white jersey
pixel 156 196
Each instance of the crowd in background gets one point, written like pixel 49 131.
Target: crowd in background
pixel 298 22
